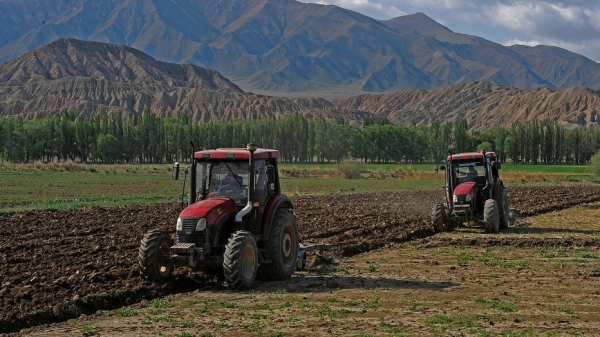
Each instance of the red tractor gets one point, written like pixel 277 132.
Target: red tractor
pixel 474 192
pixel 237 219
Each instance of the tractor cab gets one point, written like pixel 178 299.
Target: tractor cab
pixel 471 179
pixel 474 191
pixel 242 179
pixel 236 219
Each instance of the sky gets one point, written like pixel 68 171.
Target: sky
pixel 570 24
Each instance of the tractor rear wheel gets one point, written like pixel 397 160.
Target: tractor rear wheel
pixel 491 216
pixel 240 261
pixel 154 258
pixel 503 206
pixel 438 218
pixel 281 247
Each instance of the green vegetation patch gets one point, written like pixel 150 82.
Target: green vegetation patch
pixel 69 185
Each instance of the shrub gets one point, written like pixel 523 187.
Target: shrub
pixel 351 169
pixel 379 173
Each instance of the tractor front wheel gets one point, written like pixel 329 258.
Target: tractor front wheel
pixel 281 247
pixel 503 206
pixel 438 218
pixel 240 261
pixel 491 216
pixel 154 258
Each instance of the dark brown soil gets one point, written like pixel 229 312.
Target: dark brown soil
pixel 57 265
pixel 531 201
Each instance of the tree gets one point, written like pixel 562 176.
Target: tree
pixel 109 148
pixel 548 143
pixel 461 135
pixel 436 142
pixel 594 165
pixel 485 145
pixel 534 141
pixel 508 143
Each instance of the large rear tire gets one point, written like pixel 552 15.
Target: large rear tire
pixel 154 258
pixel 491 216
pixel 504 209
pixel 240 261
pixel 438 218
pixel 281 247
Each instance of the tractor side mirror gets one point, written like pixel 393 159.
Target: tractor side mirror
pixel 270 174
pixel 496 165
pixel 175 171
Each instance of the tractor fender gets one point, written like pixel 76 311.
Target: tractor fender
pixel 217 229
pixel 279 201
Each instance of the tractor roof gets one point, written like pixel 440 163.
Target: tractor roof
pixel 471 156
pixel 236 153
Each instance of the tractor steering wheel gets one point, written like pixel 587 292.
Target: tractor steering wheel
pixel 229 189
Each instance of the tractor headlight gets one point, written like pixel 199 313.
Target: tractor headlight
pixel 468 198
pixel 454 198
pixel 201 225
pixel 179 226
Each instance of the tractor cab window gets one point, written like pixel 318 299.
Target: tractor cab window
pixel 261 190
pixel 202 170
pixel 470 171
pixel 228 180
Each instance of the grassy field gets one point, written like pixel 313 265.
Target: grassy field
pixel 42 186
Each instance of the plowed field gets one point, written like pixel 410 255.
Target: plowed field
pixel 58 265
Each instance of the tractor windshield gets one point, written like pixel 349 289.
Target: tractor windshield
pixel 469 171
pixel 224 180
pixel 229 180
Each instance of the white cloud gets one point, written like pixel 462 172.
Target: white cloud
pixel 539 19
pixel 573 25
pixel 531 43
pixel 595 18
pixel 460 5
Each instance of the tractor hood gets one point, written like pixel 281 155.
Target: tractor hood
pixel 211 209
pixel 466 188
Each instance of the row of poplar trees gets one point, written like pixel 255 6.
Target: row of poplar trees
pixel 145 138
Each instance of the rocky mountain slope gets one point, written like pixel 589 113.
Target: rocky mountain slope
pixel 483 104
pixel 90 78
pixel 284 46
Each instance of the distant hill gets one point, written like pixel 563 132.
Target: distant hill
pixel 483 104
pixel 284 47
pixel 91 77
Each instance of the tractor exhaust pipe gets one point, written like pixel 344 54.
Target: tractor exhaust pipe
pixel 238 217
pixel 192 195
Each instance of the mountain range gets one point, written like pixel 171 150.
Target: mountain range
pixel 91 78
pixel 288 48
